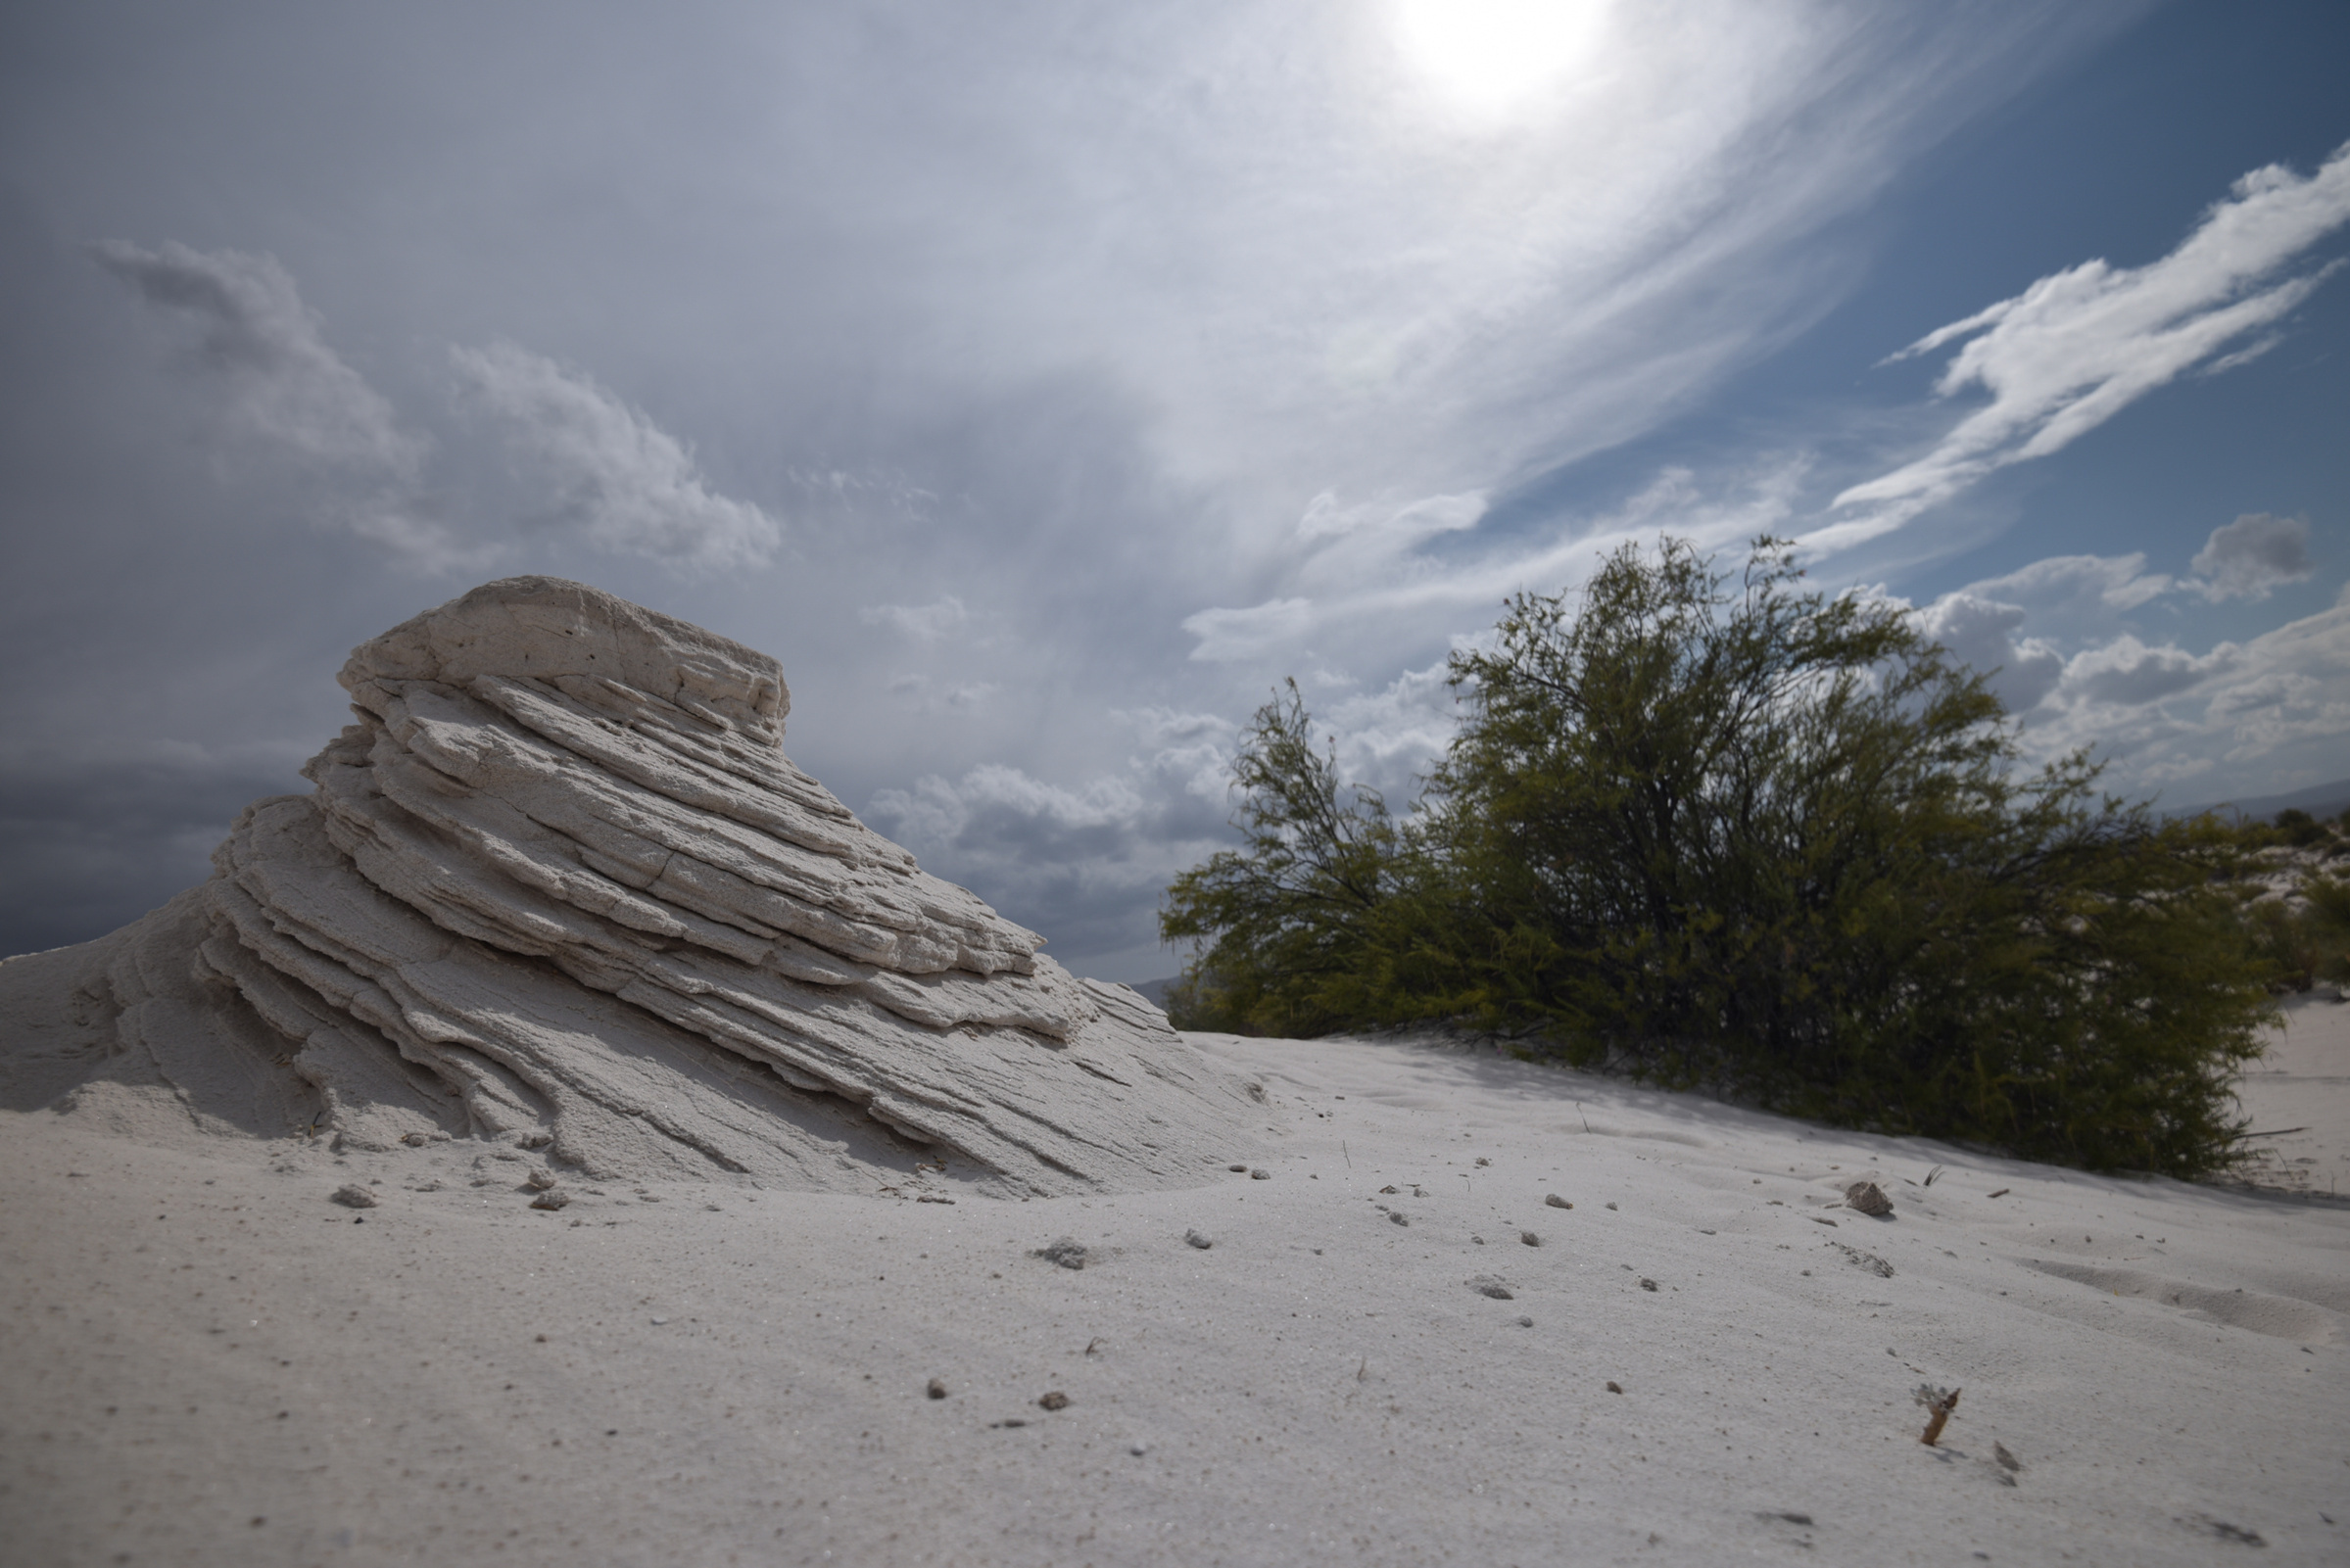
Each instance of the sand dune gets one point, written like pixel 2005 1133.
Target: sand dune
pixel 207 1360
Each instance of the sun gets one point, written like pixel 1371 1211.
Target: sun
pixel 1490 58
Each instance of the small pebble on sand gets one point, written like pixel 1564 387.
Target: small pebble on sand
pixel 1648 1283
pixel 1557 1202
pixel 936 1389
pixel 1614 1387
pixel 1196 1239
pixel 1260 1175
pixel 1055 1400
pixel 355 1197
pixel 1529 1238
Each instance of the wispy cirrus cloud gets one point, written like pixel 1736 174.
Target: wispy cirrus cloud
pixel 2080 346
pixel 268 351
pixel 280 384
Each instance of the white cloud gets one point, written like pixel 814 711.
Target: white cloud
pixel 2078 347
pixel 269 352
pixel 625 484
pixel 1981 633
pixel 282 384
pixel 2246 558
pixel 2253 718
pixel 923 623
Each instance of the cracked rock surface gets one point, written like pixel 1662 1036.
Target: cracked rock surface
pixel 559 886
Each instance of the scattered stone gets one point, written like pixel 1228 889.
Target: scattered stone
pixel 1821 1219
pixel 1067 1252
pixel 1482 1161
pixel 1203 1243
pixel 932 1197
pixel 1487 1285
pixel 1008 1422
pixel 1397 1217
pixel 1055 1400
pixel 1610 1206
pixel 1802 1519
pixel 551 1199
pixel 1480 1240
pixel 1259 1174
pixel 1557 1202
pixel 2224 1530
pixel 414 1140
pixel 2002 1191
pixel 1529 1238
pixel 354 1197
pixel 1525 1322
pixel 1869 1198
pixel 1614 1387
pixel 1868 1261
pixel 536 1138
pixel 1139 1449
pixel 540 1179
pixel 2006 1461
pixel 1237 1169
pixel 1648 1283
pixel 1387 1191
pixel 936 1389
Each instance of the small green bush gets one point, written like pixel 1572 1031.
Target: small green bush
pixel 1749 837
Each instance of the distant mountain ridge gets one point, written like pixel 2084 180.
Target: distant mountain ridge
pixel 2322 801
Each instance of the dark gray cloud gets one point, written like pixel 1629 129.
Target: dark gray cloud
pixel 2250 557
pixel 85 848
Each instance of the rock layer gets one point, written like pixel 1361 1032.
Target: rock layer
pixel 560 885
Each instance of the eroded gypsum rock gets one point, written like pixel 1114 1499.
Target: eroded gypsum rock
pixel 560 881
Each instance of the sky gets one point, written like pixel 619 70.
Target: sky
pixel 1043 382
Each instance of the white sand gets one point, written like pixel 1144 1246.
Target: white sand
pixel 205 1361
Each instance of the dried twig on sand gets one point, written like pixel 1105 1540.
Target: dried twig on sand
pixel 1938 1403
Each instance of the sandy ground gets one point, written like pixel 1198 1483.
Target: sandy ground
pixel 205 1361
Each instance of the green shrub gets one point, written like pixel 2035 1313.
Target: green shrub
pixel 1744 835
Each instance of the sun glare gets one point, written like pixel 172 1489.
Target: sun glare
pixel 1491 57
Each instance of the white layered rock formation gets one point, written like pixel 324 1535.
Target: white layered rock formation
pixel 560 885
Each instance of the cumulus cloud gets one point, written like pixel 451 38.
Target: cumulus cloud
pixel 2080 346
pixel 2246 558
pixel 1982 632
pixel 2082 671
pixel 625 485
